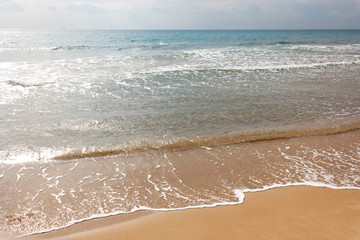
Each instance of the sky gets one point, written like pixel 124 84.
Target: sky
pixel 180 14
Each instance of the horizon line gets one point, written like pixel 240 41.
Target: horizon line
pixel 181 29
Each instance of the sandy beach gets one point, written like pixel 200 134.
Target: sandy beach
pixel 292 212
pixel 298 212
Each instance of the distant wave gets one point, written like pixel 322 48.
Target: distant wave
pixel 81 47
pixel 115 47
pixel 208 142
pixel 251 44
pixel 248 68
pixel 85 47
pixel 309 43
pixel 14 83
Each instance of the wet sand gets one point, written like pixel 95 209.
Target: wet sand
pixel 71 190
pixel 298 212
pixel 54 195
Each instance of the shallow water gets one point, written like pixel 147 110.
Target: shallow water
pixel 93 91
pixel 42 196
pixel 95 123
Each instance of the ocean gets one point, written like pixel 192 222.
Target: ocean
pixel 102 122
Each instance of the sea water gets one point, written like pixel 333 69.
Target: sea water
pixel 100 122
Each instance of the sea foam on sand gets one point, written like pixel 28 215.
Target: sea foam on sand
pixel 295 212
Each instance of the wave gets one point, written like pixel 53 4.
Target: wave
pixel 173 69
pixel 80 47
pixel 86 47
pixel 114 47
pixel 297 43
pixel 161 44
pixel 207 142
pixel 14 83
pixel 254 44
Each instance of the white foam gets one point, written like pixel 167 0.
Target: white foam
pixel 239 193
pixel 268 66
pixel 155 186
pixel 306 183
pixel 37 194
pixel 207 148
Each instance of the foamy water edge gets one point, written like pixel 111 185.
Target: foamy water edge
pixel 241 194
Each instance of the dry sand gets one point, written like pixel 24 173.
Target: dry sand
pixel 299 212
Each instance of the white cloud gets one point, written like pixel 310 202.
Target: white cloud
pixel 181 13
pixel 87 8
pixel 10 6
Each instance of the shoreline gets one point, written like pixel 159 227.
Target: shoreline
pixel 303 211
pixel 288 159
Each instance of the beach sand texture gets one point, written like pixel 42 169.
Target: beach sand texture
pixel 299 212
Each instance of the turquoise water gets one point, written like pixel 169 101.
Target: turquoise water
pixel 91 91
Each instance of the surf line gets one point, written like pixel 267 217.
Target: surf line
pixel 208 142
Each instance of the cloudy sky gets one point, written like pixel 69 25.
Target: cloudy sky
pixel 180 14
